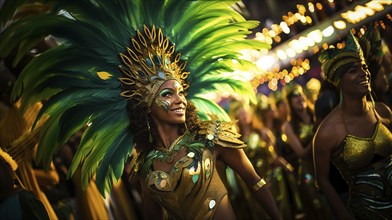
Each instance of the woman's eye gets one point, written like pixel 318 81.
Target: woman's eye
pixel 166 94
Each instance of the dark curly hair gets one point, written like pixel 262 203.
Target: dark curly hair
pixel 138 125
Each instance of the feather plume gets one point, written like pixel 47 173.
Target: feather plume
pixel 210 36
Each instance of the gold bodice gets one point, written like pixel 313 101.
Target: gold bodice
pixel 366 165
pixel 358 152
pixel 191 190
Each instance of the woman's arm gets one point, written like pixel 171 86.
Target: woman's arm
pixel 322 149
pixel 239 162
pixel 295 143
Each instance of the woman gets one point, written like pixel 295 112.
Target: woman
pixel 123 68
pixel 183 159
pixel 356 138
pixel 299 130
pixel 261 151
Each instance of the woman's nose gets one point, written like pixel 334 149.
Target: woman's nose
pixel 179 98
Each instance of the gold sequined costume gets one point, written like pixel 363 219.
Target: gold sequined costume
pixel 194 187
pixel 366 165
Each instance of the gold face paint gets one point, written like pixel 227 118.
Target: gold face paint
pixel 161 102
pixel 164 99
pixel 164 104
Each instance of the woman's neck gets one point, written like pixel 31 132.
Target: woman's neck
pixel 304 115
pixel 354 107
pixel 168 134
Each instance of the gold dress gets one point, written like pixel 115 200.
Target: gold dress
pixel 366 165
pixel 193 189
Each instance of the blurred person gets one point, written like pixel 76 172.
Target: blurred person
pixel 261 152
pixel 299 130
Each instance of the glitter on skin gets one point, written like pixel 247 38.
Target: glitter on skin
pixel 165 105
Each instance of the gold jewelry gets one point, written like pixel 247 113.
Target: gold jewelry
pixel 259 184
pixel 149 63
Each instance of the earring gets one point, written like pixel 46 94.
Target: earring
pixel 150 139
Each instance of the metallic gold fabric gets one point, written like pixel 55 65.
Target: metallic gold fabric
pixel 192 190
pixel 366 165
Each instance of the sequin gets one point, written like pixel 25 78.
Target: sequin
pixel 191 154
pixel 210 137
pixel 148 62
pixel 212 204
pixel 195 178
pixel 157 60
pixel 141 74
pixel 161 75
pixel 163 183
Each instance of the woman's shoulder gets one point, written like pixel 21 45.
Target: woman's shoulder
pixel 221 133
pixel 384 112
pixel 332 127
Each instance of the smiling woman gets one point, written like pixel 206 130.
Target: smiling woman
pixel 134 72
pixel 356 138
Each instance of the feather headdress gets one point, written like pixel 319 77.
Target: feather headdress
pixel 371 46
pixel 108 48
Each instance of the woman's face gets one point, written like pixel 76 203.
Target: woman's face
pixel 356 80
pixel 170 105
pixel 298 101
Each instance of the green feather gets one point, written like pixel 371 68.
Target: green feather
pixel 207 108
pixel 91 34
pixel 112 165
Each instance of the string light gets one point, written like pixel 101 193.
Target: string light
pixel 313 41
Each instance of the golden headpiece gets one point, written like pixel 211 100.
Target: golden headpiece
pixel 148 64
pixel 332 60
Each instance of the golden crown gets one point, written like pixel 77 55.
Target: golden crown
pixel 149 63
